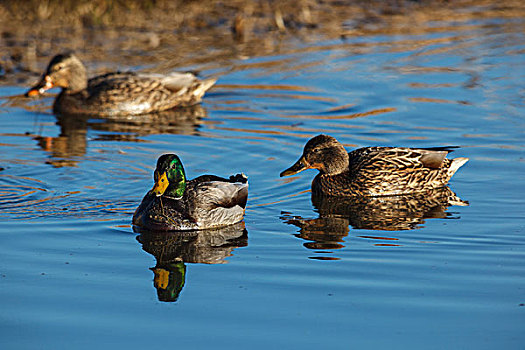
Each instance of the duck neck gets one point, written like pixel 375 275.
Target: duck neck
pixel 78 80
pixel 177 184
pixel 176 190
pixel 337 163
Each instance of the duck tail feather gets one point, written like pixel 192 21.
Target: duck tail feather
pixel 456 164
pixel 242 178
pixel 203 86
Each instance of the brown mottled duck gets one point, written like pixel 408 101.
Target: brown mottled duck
pixel 117 93
pixel 374 171
pixel 175 204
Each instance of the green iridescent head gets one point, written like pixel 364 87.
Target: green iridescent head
pixel 170 178
pixel 169 280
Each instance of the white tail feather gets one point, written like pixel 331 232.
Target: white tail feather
pixel 204 86
pixel 456 164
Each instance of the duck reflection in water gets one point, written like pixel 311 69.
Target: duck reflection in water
pixel 71 144
pixel 387 213
pixel 173 249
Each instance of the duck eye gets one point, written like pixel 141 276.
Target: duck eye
pixel 174 164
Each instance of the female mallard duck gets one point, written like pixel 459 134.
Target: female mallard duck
pixel 118 93
pixel 374 171
pixel 174 203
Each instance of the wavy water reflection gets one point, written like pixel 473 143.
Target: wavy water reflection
pixel 173 250
pixel 389 213
pixel 25 198
pixel 70 145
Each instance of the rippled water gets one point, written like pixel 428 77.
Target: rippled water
pixel 296 274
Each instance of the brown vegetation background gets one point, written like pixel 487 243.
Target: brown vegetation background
pixel 161 35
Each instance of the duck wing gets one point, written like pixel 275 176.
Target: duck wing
pixel 433 157
pixel 132 93
pixel 223 194
pixel 397 158
pixel 126 91
pixel 233 178
pixel 216 202
pixel 123 85
pixel 183 83
pixel 383 171
pixel 215 191
pixel 106 79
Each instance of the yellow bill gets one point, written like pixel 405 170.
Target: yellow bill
pixel 162 278
pixel 161 184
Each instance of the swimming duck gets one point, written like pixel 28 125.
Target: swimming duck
pixel 175 203
pixel 374 171
pixel 118 93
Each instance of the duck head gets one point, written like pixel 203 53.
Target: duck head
pixel 65 71
pixel 169 176
pixel 323 153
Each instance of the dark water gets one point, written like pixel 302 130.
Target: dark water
pixel 298 274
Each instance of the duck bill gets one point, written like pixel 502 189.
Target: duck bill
pixel 45 84
pixel 299 166
pixel 160 185
pixel 162 278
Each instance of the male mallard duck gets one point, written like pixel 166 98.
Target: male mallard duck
pixel 207 201
pixel 116 93
pixel 374 171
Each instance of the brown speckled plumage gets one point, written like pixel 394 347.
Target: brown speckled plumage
pixel 118 93
pixel 386 213
pixel 374 171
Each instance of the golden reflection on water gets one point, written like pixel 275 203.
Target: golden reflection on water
pixel 71 144
pixel 347 116
pixel 431 86
pixel 23 197
pixel 437 100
